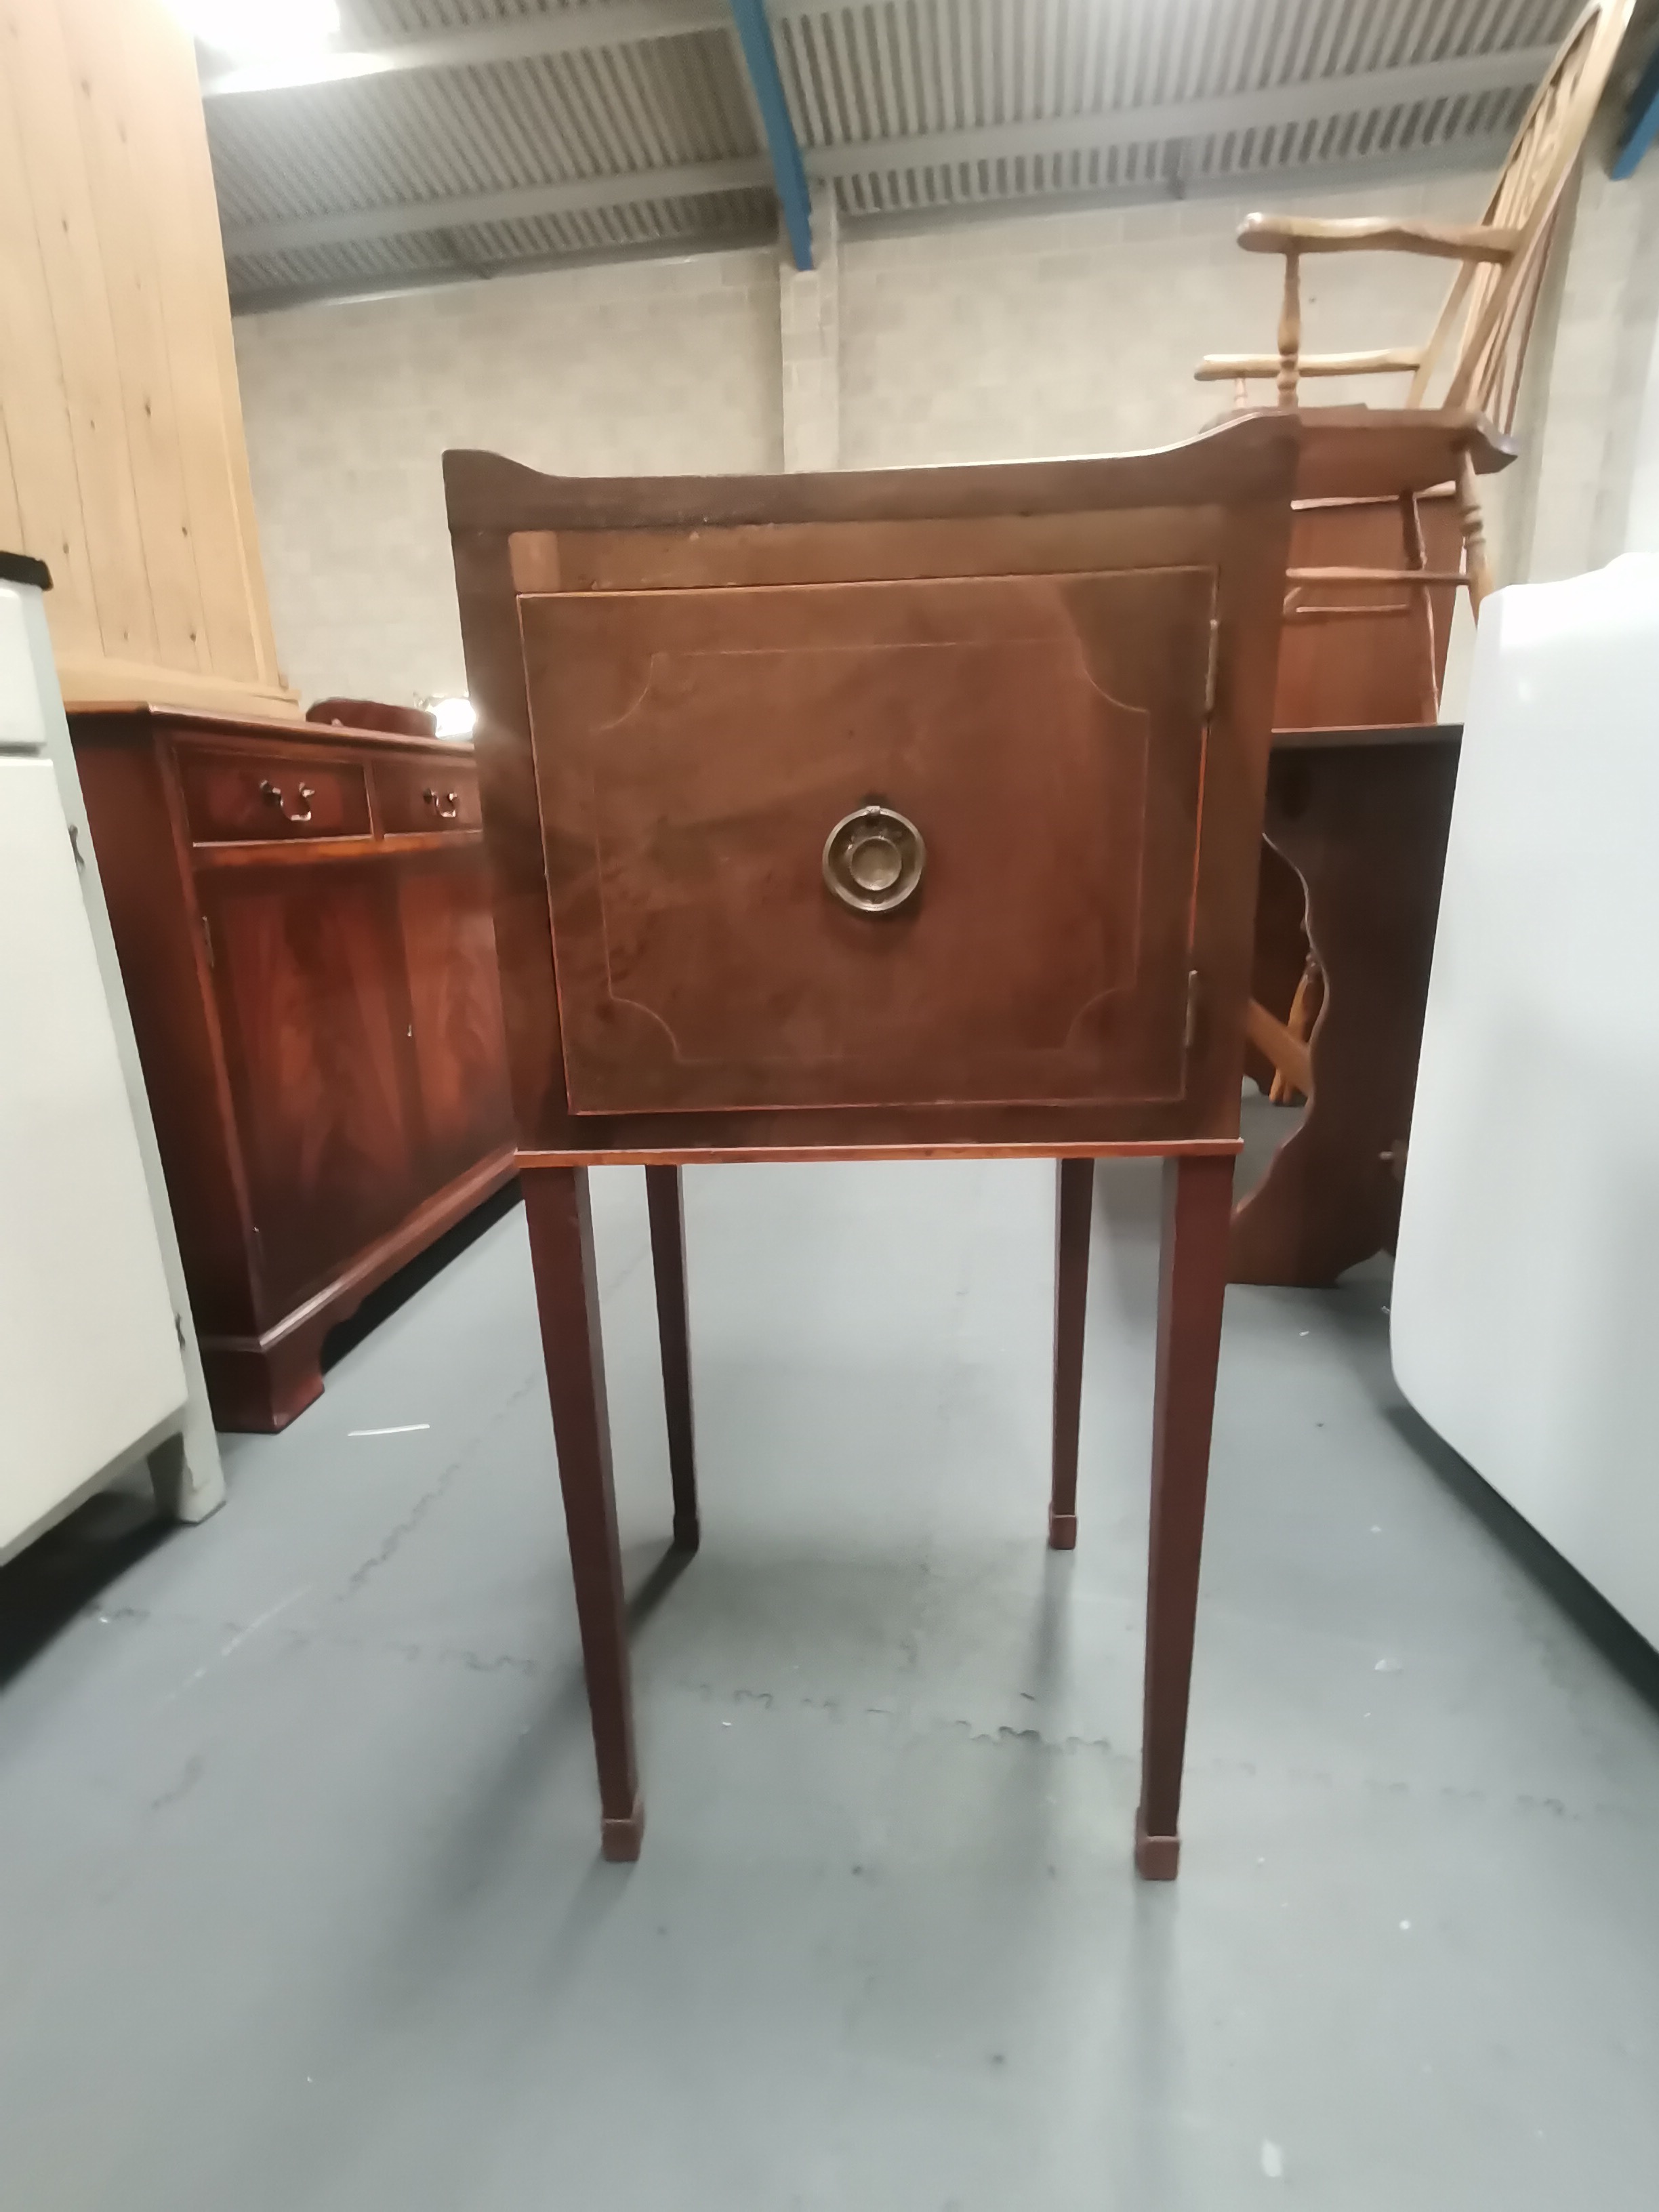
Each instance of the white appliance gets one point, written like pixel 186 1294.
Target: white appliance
pixel 1525 1307
pixel 98 1360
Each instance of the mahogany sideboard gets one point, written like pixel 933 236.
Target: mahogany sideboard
pixel 911 814
pixel 302 917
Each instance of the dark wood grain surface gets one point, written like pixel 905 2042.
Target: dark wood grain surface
pixel 567 1294
pixel 1062 675
pixel 454 1028
pixel 1074 1198
pixel 1364 816
pixel 667 1218
pixel 315 1052
pixel 424 795
pixel 696 749
pixel 318 1014
pixel 250 795
pixel 1192 1285
pixel 1218 506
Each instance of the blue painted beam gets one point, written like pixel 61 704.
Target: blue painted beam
pixel 1641 120
pixel 788 170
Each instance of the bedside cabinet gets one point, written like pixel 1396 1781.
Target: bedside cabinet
pixel 911 814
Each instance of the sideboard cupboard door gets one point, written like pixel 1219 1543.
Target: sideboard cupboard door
pixel 306 975
pixel 455 1010
pixel 1037 743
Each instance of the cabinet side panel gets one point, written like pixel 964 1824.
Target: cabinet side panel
pixel 513 833
pixel 163 952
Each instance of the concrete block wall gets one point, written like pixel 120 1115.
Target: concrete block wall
pixel 1021 337
pixel 809 329
pixel 1079 332
pixel 636 368
pixel 1592 426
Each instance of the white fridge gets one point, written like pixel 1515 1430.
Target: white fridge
pixel 98 1360
pixel 1525 1306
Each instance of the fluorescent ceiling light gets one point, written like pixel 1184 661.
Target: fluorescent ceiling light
pixel 260 28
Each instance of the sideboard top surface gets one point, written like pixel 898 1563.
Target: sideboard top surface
pixel 109 721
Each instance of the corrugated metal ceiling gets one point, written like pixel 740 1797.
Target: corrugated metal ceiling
pixel 640 133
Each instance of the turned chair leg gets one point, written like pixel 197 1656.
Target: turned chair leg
pixel 1476 566
pixel 567 1296
pixel 1299 1024
pixel 1075 1202
pixel 1290 331
pixel 662 1193
pixel 1191 1282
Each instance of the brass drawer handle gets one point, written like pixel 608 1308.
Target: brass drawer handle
pixel 272 794
pixel 448 806
pixel 874 858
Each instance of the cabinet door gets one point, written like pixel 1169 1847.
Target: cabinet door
pixel 310 996
pixel 455 1011
pixel 1035 745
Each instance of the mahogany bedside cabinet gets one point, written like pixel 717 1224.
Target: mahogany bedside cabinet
pixel 906 815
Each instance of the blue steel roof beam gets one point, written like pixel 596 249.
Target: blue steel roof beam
pixel 788 171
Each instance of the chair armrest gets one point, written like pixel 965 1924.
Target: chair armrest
pixel 1229 368
pixel 1444 241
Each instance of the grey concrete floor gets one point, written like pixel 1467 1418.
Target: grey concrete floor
pixel 300 1906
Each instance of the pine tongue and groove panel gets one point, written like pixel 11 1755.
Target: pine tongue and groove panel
pixel 11 521
pixel 123 464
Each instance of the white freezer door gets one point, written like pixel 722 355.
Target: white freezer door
pixel 90 1372
pixel 1525 1306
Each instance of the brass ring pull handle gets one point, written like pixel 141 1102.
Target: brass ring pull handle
pixel 448 806
pixel 874 858
pixel 272 794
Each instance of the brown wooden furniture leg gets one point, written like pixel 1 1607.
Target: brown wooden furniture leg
pixel 662 1194
pixel 258 1387
pixel 568 1298
pixel 1366 825
pixel 1074 1196
pixel 1191 1283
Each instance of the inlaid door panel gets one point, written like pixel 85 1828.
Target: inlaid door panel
pixel 313 1012
pixel 1042 736
pixel 455 1013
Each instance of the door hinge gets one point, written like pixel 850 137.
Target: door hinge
pixel 1190 1034
pixel 1209 674
pixel 207 940
pixel 74 845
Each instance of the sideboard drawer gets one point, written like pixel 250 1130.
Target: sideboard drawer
pixel 431 793
pixel 911 842
pixel 244 796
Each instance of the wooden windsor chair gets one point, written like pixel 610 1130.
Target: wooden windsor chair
pixel 1373 577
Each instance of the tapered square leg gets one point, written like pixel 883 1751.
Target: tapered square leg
pixel 1073 1207
pixel 662 1195
pixel 567 1296
pixel 1191 1283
